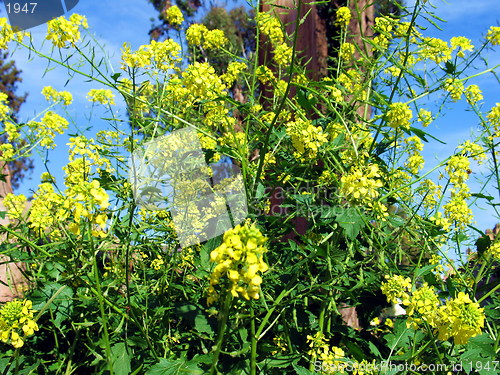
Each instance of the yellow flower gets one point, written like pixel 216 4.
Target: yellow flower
pixel 399 115
pixel 461 319
pixel 493 35
pixel 360 185
pixel 16 322
pixel 62 31
pixel 425 117
pixel 494 250
pixel 343 17
pixel 52 95
pixel 435 49
pixel 195 34
pixel 271 27
pixel 473 94
pixel 346 51
pixel 283 54
pixel 306 138
pixel 15 205
pixel 396 289
pixel 462 43
pixel 214 39
pixel 103 96
pixel 455 87
pixel 174 16
pixel 239 258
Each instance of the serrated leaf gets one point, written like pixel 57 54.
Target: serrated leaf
pixel 169 367
pixel 351 221
pixel 299 370
pixel 120 359
pixel 202 324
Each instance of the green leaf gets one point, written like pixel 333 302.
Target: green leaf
pixel 116 76
pixel 202 325
pixel 120 359
pixel 299 370
pixel 169 367
pixel 374 349
pixel 424 270
pixel 351 221
pixel 479 195
pixel 480 355
pixel 197 317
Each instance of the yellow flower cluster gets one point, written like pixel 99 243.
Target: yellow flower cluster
pixel 425 117
pixel 455 87
pixel 271 27
pixel 157 263
pixel 343 17
pixel 173 16
pixel 493 117
pixel 415 161
pixel 16 322
pixel 360 185
pixel 346 51
pixel 45 130
pixel 15 205
pixel 200 35
pixel 52 95
pixel 435 49
pixel 62 31
pixel 494 250
pixel 103 96
pixel 473 94
pixel 283 54
pixel 83 199
pixel 321 351
pixel 240 259
pixel 473 150
pixel 431 192
pixel 5 110
pixel 7 34
pixel 424 303
pixel 493 35
pixel 46 212
pixel 460 317
pixel 306 138
pixel 399 115
pixel 462 43
pixel 234 69
pixel 396 289
pixel 201 81
pixel 160 55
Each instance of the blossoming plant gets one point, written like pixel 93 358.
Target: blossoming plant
pixel 356 251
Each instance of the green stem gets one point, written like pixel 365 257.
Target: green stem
pixel 103 315
pixel 253 356
pixel 221 333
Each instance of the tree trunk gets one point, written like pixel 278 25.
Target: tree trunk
pixel 12 281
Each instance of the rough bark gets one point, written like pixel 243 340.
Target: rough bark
pixel 12 281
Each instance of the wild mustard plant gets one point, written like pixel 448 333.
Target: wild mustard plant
pixel 336 184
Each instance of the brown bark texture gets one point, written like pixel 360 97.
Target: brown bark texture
pixel 12 281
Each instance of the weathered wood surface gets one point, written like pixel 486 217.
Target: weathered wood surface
pixel 12 282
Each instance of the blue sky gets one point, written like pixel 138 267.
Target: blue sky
pixel 116 21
